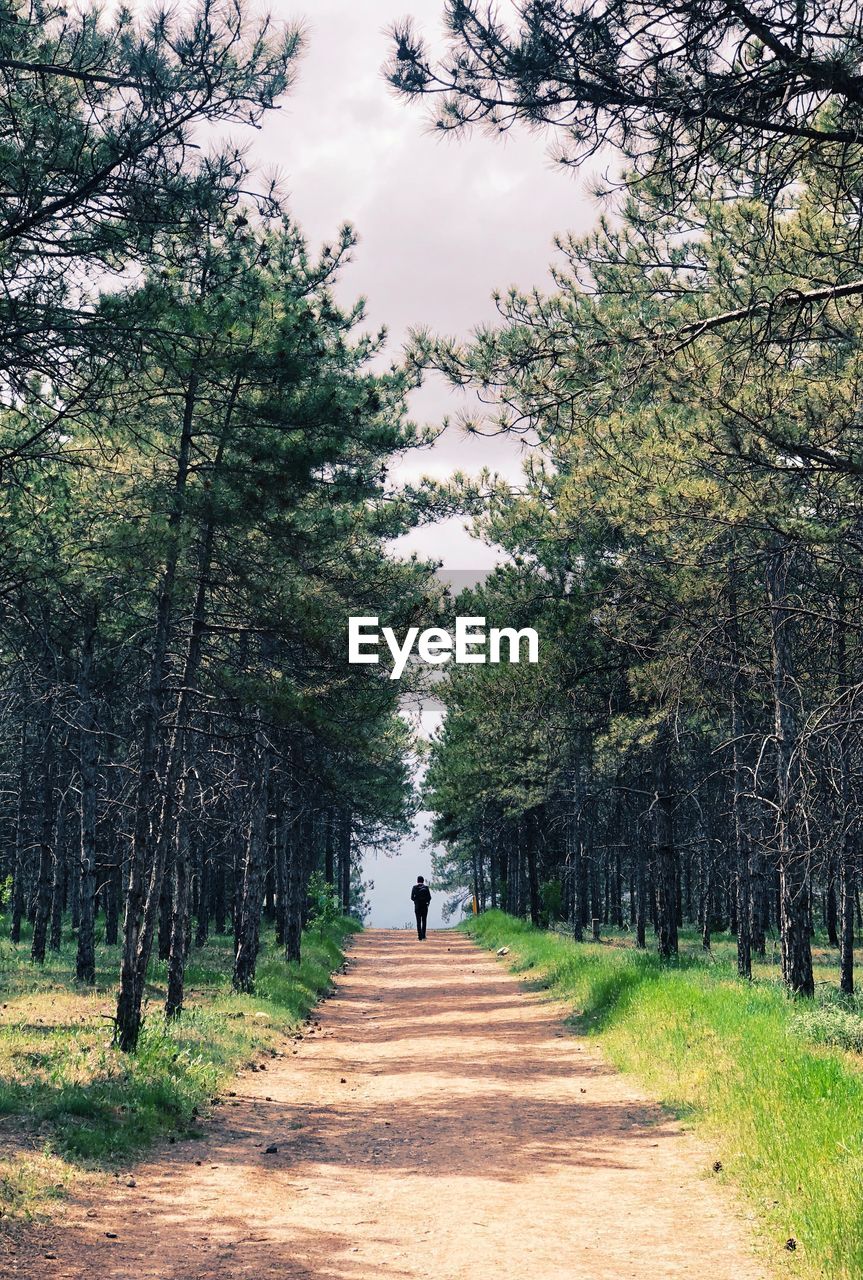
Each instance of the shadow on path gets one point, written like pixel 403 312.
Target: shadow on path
pixel 436 1120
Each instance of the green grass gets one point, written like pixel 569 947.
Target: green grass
pixel 768 1080
pixel 69 1101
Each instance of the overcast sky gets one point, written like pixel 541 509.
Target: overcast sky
pixel 442 223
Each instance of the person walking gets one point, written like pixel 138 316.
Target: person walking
pixel 421 897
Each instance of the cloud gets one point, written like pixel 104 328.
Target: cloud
pixel 443 222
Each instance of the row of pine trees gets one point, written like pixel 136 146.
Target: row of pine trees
pixel 688 536
pixel 193 456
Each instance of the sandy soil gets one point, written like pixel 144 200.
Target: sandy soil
pixel 438 1122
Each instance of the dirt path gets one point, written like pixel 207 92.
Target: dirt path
pixel 440 1123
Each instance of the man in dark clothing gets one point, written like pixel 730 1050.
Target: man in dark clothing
pixel 421 897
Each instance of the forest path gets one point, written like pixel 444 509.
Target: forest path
pixel 441 1123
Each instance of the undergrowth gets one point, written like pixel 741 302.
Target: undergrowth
pixel 70 1101
pixel 766 1078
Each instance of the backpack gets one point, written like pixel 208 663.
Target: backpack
pixel 423 895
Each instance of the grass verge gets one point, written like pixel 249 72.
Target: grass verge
pixel 758 1073
pixel 69 1101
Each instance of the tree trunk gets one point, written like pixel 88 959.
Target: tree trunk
pixel 595 896
pixel 60 877
pixel 705 911
pixel 248 931
pixel 793 860
pixel 742 851
pixel 205 896
pixel 328 836
pixel 45 873
pixel 135 947
pixel 641 891
pixel 180 903
pixel 665 859
pixel 532 832
pixel 220 898
pixel 282 839
pixel 847 859
pixel 88 758
pixel 574 853
pixel 22 839
pixel 758 899
pixel 299 834
pixel 166 908
pixel 345 860
pixel 686 891
pixel 847 877
pixel 830 904
pixel 617 892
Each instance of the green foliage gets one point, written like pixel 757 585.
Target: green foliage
pixel 96 120
pixel 689 89
pixel 324 909
pixel 832 1024
pixel 551 897
pixel 784 1115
